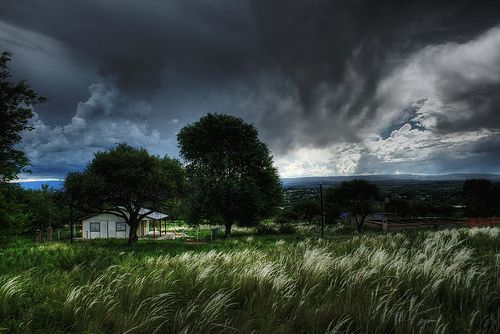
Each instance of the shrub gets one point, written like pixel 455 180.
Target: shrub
pixel 265 229
pixel 286 229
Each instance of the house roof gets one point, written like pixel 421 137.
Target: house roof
pixel 153 215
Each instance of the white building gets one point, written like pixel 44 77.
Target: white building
pixel 107 225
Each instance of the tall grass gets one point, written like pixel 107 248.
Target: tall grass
pixel 427 282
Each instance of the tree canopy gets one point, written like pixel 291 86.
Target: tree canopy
pixel 16 100
pixel 481 198
pixel 357 197
pixel 308 209
pixel 123 180
pixel 231 170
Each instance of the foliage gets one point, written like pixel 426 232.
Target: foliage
pixel 288 216
pixel 22 211
pixel 231 170
pixel 308 209
pixel 481 198
pixel 265 229
pixel 357 197
pixel 123 180
pixel 425 282
pixel 16 100
pixel 332 211
pixel 436 198
pixel 398 207
pixel 286 229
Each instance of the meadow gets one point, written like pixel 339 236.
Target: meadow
pixel 445 281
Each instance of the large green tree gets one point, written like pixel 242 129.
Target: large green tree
pixel 16 101
pixel 481 197
pixel 123 180
pixel 357 197
pixel 231 170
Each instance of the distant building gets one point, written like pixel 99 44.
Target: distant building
pixel 107 225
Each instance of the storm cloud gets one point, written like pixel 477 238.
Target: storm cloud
pixel 334 87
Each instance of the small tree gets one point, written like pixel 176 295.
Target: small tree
pixel 231 170
pixel 481 198
pixel 357 197
pixel 287 216
pixel 308 209
pixel 15 111
pixel 332 211
pixel 124 180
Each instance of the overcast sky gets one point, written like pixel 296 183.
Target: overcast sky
pixel 334 87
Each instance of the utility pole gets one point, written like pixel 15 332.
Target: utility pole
pixel 322 211
pixel 71 219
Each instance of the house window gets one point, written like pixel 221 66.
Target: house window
pixel 95 227
pixel 120 227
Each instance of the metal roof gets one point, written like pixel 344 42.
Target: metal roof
pixel 153 215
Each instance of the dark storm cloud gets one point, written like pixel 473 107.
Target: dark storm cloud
pixel 138 45
pixel 309 74
pixel 351 45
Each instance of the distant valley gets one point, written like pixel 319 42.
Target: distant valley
pixel 384 179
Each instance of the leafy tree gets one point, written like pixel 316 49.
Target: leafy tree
pixel 123 180
pixel 481 198
pixel 287 216
pixel 332 211
pixel 25 210
pixel 8 206
pixel 15 111
pixel 357 197
pixel 308 209
pixel 231 171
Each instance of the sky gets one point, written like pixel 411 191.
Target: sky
pixel 334 87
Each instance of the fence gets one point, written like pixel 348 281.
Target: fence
pixel 390 225
pixel 473 222
pixel 63 233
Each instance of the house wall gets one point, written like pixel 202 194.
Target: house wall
pixel 107 224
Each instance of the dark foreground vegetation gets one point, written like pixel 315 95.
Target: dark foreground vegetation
pixel 427 282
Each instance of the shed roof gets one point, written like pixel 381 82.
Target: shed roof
pixel 153 215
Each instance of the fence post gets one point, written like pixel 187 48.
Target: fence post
pixel 38 235
pixel 384 225
pixel 213 233
pixel 49 233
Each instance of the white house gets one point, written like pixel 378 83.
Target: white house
pixel 108 225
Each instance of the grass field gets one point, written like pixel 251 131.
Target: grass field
pixel 423 282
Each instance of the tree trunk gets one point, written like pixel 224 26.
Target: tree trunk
pixel 228 229
pixel 359 224
pixel 132 237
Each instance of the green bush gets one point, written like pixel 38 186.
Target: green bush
pixel 286 229
pixel 263 229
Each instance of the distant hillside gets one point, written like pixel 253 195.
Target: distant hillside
pixel 383 179
pixel 313 181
